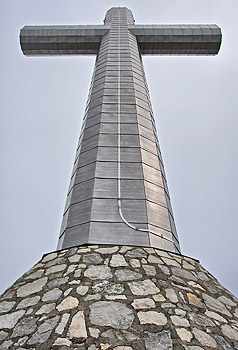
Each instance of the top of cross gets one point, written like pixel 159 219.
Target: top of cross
pixel 152 39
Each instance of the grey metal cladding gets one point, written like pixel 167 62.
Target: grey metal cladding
pixel 74 236
pixel 158 215
pixel 106 170
pixel 79 213
pixel 178 39
pixel 80 192
pixel 150 159
pixel 133 189
pixel 134 210
pixel 104 209
pixel 155 193
pixel 61 40
pixel 117 233
pixel 105 188
pixel 107 154
pixel 156 241
pixel 152 175
pixel 85 173
pixel 129 154
pixel 118 148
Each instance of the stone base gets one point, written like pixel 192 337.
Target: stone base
pixel 118 297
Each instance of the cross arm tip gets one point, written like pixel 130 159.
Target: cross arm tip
pixel 187 39
pixel 61 40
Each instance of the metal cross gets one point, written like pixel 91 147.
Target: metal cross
pixel 118 192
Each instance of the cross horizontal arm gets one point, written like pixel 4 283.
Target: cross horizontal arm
pixel 61 40
pixel 177 39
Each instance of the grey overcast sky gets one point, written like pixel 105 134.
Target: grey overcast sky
pixel 195 102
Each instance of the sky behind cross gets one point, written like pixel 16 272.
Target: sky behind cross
pixel 195 106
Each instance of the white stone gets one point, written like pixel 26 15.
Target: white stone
pixel 188 266
pixel 170 262
pixel 202 276
pixel 124 249
pixel 195 285
pixel 67 291
pixel 74 282
pixel 118 260
pixel 109 250
pixel 49 257
pixel 84 250
pixel 144 303
pixel 94 332
pixel 68 303
pixel 52 294
pixel 82 266
pixel 82 290
pixel 77 328
pixel 171 295
pixel 123 348
pixel 204 338
pixel 29 311
pixel 62 341
pixel 115 297
pixel 182 297
pixel 152 317
pixel 31 288
pixel 227 301
pixel 127 275
pixel 104 346
pixel 158 341
pixel 70 269
pixel 98 272
pixel 54 269
pixel 135 262
pixel 92 297
pixel 60 328
pixel 180 312
pixel 164 269
pixel 154 260
pixel 6 344
pixel 136 253
pixel 184 274
pixel 216 316
pixel 149 250
pixel 149 270
pixel 184 334
pixel 35 274
pixel 162 253
pixel 9 320
pixel 179 321
pixel 111 313
pixel 215 304
pixel 6 306
pixel 229 332
pixel 158 297
pixel 45 309
pixel 145 287
pixel 167 305
pixel 74 258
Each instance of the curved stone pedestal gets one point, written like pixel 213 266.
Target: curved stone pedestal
pixel 118 297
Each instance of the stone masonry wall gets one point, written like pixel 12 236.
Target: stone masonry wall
pixel 118 297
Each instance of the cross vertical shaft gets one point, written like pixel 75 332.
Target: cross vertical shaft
pixel 119 153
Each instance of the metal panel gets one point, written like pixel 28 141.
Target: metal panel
pixel 105 188
pixel 105 210
pixel 116 233
pixel 79 213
